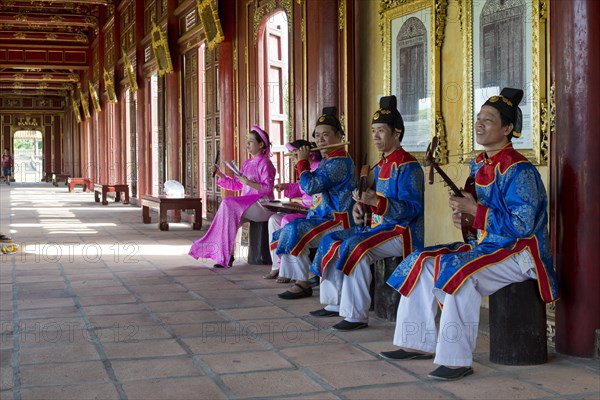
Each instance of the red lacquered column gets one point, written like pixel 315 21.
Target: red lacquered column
pixel 575 147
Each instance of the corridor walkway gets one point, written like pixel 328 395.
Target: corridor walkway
pixel 97 305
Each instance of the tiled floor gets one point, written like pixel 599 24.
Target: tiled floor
pixel 97 305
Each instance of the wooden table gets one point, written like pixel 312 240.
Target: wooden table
pixel 86 182
pixel 104 189
pixel 163 203
pixel 59 178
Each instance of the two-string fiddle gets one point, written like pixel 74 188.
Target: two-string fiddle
pixel 468 232
pixel 363 186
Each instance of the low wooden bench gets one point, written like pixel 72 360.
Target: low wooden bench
pixel 56 178
pixel 102 189
pixel 86 182
pixel 48 177
pixel 164 203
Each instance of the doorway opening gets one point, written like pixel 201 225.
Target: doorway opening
pixel 28 156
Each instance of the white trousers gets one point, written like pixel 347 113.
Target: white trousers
pixel 297 267
pixel 257 213
pixel 350 294
pixel 275 224
pixel 455 341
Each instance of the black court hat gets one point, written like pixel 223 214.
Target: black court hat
pixel 507 103
pixel 329 117
pixel 388 113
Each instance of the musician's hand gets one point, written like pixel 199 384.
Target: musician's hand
pixel 358 214
pixel 303 153
pixel 216 171
pixel 369 197
pixel 457 219
pixel 281 186
pixel 464 205
pixel 244 180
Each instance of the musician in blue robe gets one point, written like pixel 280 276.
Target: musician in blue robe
pixel 330 186
pixel 512 246
pixel 343 257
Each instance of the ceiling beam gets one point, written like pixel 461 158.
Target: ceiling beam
pixel 96 2
pixel 16 19
pixel 29 36
pixel 38 77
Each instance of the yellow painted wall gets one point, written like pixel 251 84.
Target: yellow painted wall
pixel 438 223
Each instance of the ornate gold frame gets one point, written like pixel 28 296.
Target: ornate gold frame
pixel 536 93
pixel 76 110
pixel 129 72
pixel 209 15
pixel 389 10
pixel 84 104
pixel 109 85
pixel 94 97
pixel 160 46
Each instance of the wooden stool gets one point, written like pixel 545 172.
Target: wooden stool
pixel 258 243
pixel 518 325
pixel 386 299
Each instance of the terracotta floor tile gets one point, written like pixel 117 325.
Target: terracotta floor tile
pixel 24 304
pixel 409 391
pixel 80 351
pixel 143 348
pixel 271 383
pixel 223 344
pixel 130 333
pixel 492 387
pixel 258 313
pixel 245 362
pixel 564 379
pixel 190 305
pixel 361 373
pixel 187 317
pixel 165 296
pixel 152 368
pixel 107 299
pixel 63 374
pixel 105 391
pixel 105 321
pixel 174 389
pixel 326 354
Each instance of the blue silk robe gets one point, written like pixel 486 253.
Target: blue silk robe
pixel 511 217
pixel 399 211
pixel 331 186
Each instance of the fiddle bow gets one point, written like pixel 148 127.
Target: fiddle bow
pixel 466 220
pixel 217 157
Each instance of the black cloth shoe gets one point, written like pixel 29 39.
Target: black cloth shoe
pixel 231 260
pixel 404 355
pixel 450 374
pixel 314 281
pixel 306 292
pixel 349 326
pixel 218 266
pixel 324 313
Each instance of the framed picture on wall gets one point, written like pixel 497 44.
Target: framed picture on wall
pixel 94 97
pixel 209 15
pixel 160 46
pixel 412 35
pixel 505 46
pixel 84 104
pixel 76 110
pixel 109 87
pixel 130 73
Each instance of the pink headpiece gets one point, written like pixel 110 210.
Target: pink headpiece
pixel 263 136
